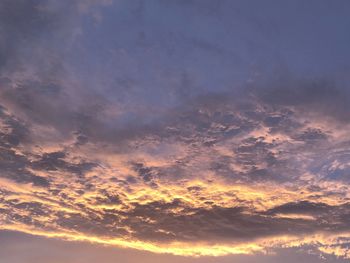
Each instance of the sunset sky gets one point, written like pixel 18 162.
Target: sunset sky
pixel 177 131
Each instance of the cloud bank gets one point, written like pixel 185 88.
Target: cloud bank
pixel 102 139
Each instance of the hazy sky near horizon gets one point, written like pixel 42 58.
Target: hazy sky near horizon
pixel 189 131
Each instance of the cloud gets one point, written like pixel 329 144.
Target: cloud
pixel 102 140
pixel 322 95
pixel 235 170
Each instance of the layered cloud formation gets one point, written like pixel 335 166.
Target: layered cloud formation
pixel 119 131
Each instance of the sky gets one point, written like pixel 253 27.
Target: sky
pixel 187 131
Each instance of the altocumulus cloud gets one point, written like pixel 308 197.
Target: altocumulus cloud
pixel 164 156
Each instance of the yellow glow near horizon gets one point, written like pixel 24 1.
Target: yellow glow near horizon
pixel 325 242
